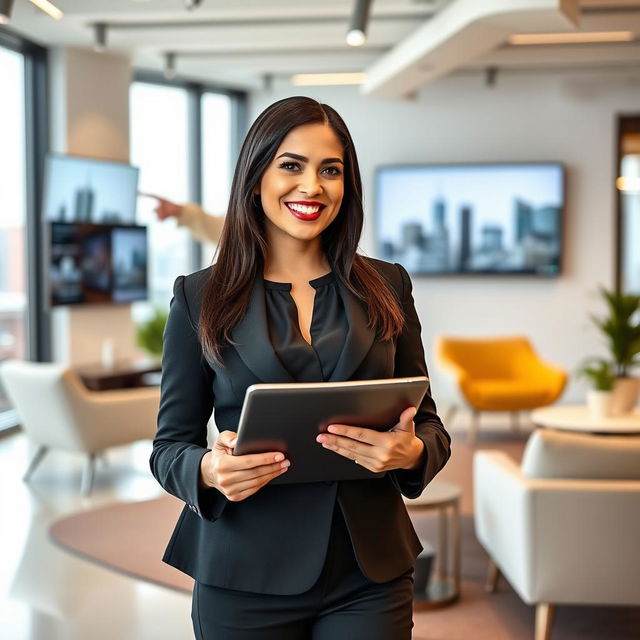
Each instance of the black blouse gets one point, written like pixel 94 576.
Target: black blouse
pixel 329 326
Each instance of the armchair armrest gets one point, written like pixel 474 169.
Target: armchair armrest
pixel 120 416
pixel 553 537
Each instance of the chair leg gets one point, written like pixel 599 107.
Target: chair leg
pixel 87 476
pixel 544 620
pixel 473 429
pixel 515 421
pixel 35 461
pixel 493 576
pixel 451 412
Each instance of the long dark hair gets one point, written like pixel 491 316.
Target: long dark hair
pixel 242 248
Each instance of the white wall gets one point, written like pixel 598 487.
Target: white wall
pixel 526 117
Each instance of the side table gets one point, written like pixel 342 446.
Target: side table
pixel 124 374
pixel 578 418
pixel 444 588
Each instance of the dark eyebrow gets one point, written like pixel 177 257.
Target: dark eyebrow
pixel 303 159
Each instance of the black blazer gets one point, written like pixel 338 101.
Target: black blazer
pixel 275 541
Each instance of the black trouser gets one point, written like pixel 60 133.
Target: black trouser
pixel 342 604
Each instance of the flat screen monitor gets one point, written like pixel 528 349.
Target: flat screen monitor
pixel 97 263
pixel 471 218
pixel 80 189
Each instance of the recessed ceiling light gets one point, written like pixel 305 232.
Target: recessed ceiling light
pixel 49 8
pixel 572 37
pixel 317 79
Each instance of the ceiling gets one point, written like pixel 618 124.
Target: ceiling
pixel 410 42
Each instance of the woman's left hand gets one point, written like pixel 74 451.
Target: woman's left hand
pixel 398 448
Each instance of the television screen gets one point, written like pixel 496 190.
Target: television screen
pixel 99 264
pixel 472 218
pixel 89 190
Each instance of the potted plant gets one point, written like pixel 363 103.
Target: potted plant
pixel 600 397
pixel 621 328
pixel 150 333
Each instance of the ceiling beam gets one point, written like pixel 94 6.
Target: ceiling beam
pixel 461 32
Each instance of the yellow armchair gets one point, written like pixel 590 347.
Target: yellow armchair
pixel 499 374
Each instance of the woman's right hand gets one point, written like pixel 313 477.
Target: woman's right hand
pixel 238 477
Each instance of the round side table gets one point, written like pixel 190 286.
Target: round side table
pixel 578 418
pixel 444 588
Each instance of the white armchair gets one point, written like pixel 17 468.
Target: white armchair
pixel 564 527
pixel 56 410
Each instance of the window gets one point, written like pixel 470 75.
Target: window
pixel 628 209
pixel 159 141
pixel 183 138
pixel 217 130
pixel 23 135
pixel 13 246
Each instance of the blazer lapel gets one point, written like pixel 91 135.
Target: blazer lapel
pixel 253 343
pixel 254 346
pixel 359 337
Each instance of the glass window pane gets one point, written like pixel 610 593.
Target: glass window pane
pixel 13 254
pixel 630 204
pixel 159 147
pixel 216 152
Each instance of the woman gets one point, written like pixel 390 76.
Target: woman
pixel 290 300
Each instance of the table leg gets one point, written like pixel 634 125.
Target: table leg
pixel 457 545
pixel 443 543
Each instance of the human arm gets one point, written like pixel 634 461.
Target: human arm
pixel 202 225
pixel 418 446
pixel 410 361
pixel 186 401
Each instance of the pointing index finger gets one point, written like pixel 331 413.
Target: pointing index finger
pixel 144 194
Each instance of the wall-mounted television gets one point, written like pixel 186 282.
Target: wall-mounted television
pixel 97 263
pixel 78 189
pixel 471 218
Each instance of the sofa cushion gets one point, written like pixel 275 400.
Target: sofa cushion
pixel 559 454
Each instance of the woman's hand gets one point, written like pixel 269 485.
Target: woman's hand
pixel 238 477
pixel 398 448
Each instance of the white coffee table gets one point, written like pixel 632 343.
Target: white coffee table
pixel 578 418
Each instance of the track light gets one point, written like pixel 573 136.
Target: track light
pixel 267 81
pixel 5 11
pixel 357 34
pixel 169 66
pixel 100 37
pixel 490 77
pixel 192 4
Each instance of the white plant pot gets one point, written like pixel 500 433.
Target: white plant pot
pixel 625 395
pixel 599 403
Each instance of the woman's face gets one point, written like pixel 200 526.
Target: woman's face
pixel 301 190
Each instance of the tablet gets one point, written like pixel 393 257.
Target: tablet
pixel 287 417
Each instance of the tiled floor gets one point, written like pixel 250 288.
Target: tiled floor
pixel 47 593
